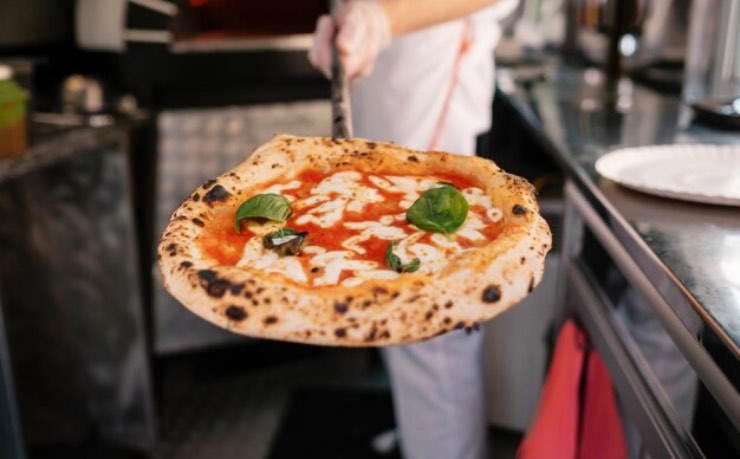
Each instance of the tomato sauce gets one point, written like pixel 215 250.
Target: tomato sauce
pixel 222 243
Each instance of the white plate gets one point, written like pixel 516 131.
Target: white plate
pixel 699 173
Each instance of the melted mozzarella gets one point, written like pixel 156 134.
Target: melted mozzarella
pixel 370 229
pixel 432 258
pixel 335 262
pixel 362 276
pixel 327 214
pixel 494 214
pixel 261 229
pixel 290 267
pixel 257 257
pixel 337 193
pixel 280 188
pixel 469 229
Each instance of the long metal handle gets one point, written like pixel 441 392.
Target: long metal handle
pixel 341 124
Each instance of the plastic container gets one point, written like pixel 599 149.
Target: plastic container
pixel 12 115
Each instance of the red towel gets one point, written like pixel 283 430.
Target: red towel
pixel 577 417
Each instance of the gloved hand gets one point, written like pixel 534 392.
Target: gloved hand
pixel 364 31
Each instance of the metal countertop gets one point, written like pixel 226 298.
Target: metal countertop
pixel 691 252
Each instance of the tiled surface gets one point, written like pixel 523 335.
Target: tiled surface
pixel 199 144
pixel 235 415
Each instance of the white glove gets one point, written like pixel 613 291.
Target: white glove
pixel 364 31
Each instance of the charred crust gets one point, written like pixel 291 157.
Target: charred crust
pixel 248 295
pixel 274 165
pixel 206 276
pixel 366 304
pixel 259 290
pixel 269 320
pixel 371 145
pixel 207 184
pixel 236 289
pixel 413 159
pixel 380 291
pixel 429 315
pixel 459 326
pixel 171 247
pixel 196 197
pixel 385 335
pixel 198 222
pixel 491 294
pixel 519 210
pixel 186 264
pixel 371 336
pixel 522 260
pixel 531 283
pixel 341 308
pixel 216 194
pixel 340 332
pixel 236 313
pixel 447 321
pixel 395 295
pixel 210 282
pixel 448 305
pixel 411 299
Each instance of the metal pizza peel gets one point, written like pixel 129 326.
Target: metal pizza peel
pixel 341 124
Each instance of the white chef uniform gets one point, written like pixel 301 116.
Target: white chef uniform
pixel 428 92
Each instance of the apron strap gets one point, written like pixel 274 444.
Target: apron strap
pixel 465 41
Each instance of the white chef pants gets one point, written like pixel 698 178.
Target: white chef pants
pixel 438 396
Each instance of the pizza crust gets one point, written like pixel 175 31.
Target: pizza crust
pixel 474 287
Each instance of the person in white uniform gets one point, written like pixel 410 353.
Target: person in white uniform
pixel 422 76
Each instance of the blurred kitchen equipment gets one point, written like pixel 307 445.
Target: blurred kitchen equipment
pixel 712 74
pixel 601 26
pixel 12 114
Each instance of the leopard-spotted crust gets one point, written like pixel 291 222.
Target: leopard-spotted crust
pixel 474 287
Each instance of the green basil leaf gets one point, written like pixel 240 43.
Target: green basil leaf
pixel 394 262
pixel 439 210
pixel 443 182
pixel 269 206
pixel 285 241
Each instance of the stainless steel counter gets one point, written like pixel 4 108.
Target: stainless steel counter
pixel 691 251
pixel 683 258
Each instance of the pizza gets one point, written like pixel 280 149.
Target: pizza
pixel 355 243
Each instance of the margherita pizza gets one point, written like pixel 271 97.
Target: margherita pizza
pixel 355 243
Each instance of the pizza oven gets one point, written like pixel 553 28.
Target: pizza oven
pixel 185 53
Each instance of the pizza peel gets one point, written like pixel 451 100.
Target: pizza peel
pixel 341 124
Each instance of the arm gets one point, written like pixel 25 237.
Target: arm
pixel 367 27
pixel 407 16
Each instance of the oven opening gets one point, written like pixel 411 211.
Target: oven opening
pixel 212 25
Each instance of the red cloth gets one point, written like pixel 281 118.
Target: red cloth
pixel 572 423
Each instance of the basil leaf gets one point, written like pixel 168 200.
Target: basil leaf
pixel 285 241
pixel 394 262
pixel 269 206
pixel 442 182
pixel 439 210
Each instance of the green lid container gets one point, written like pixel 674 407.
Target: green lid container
pixel 12 99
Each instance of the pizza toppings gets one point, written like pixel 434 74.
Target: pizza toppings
pixel 267 206
pixel 394 262
pixel 347 227
pixel 439 210
pixel 285 241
